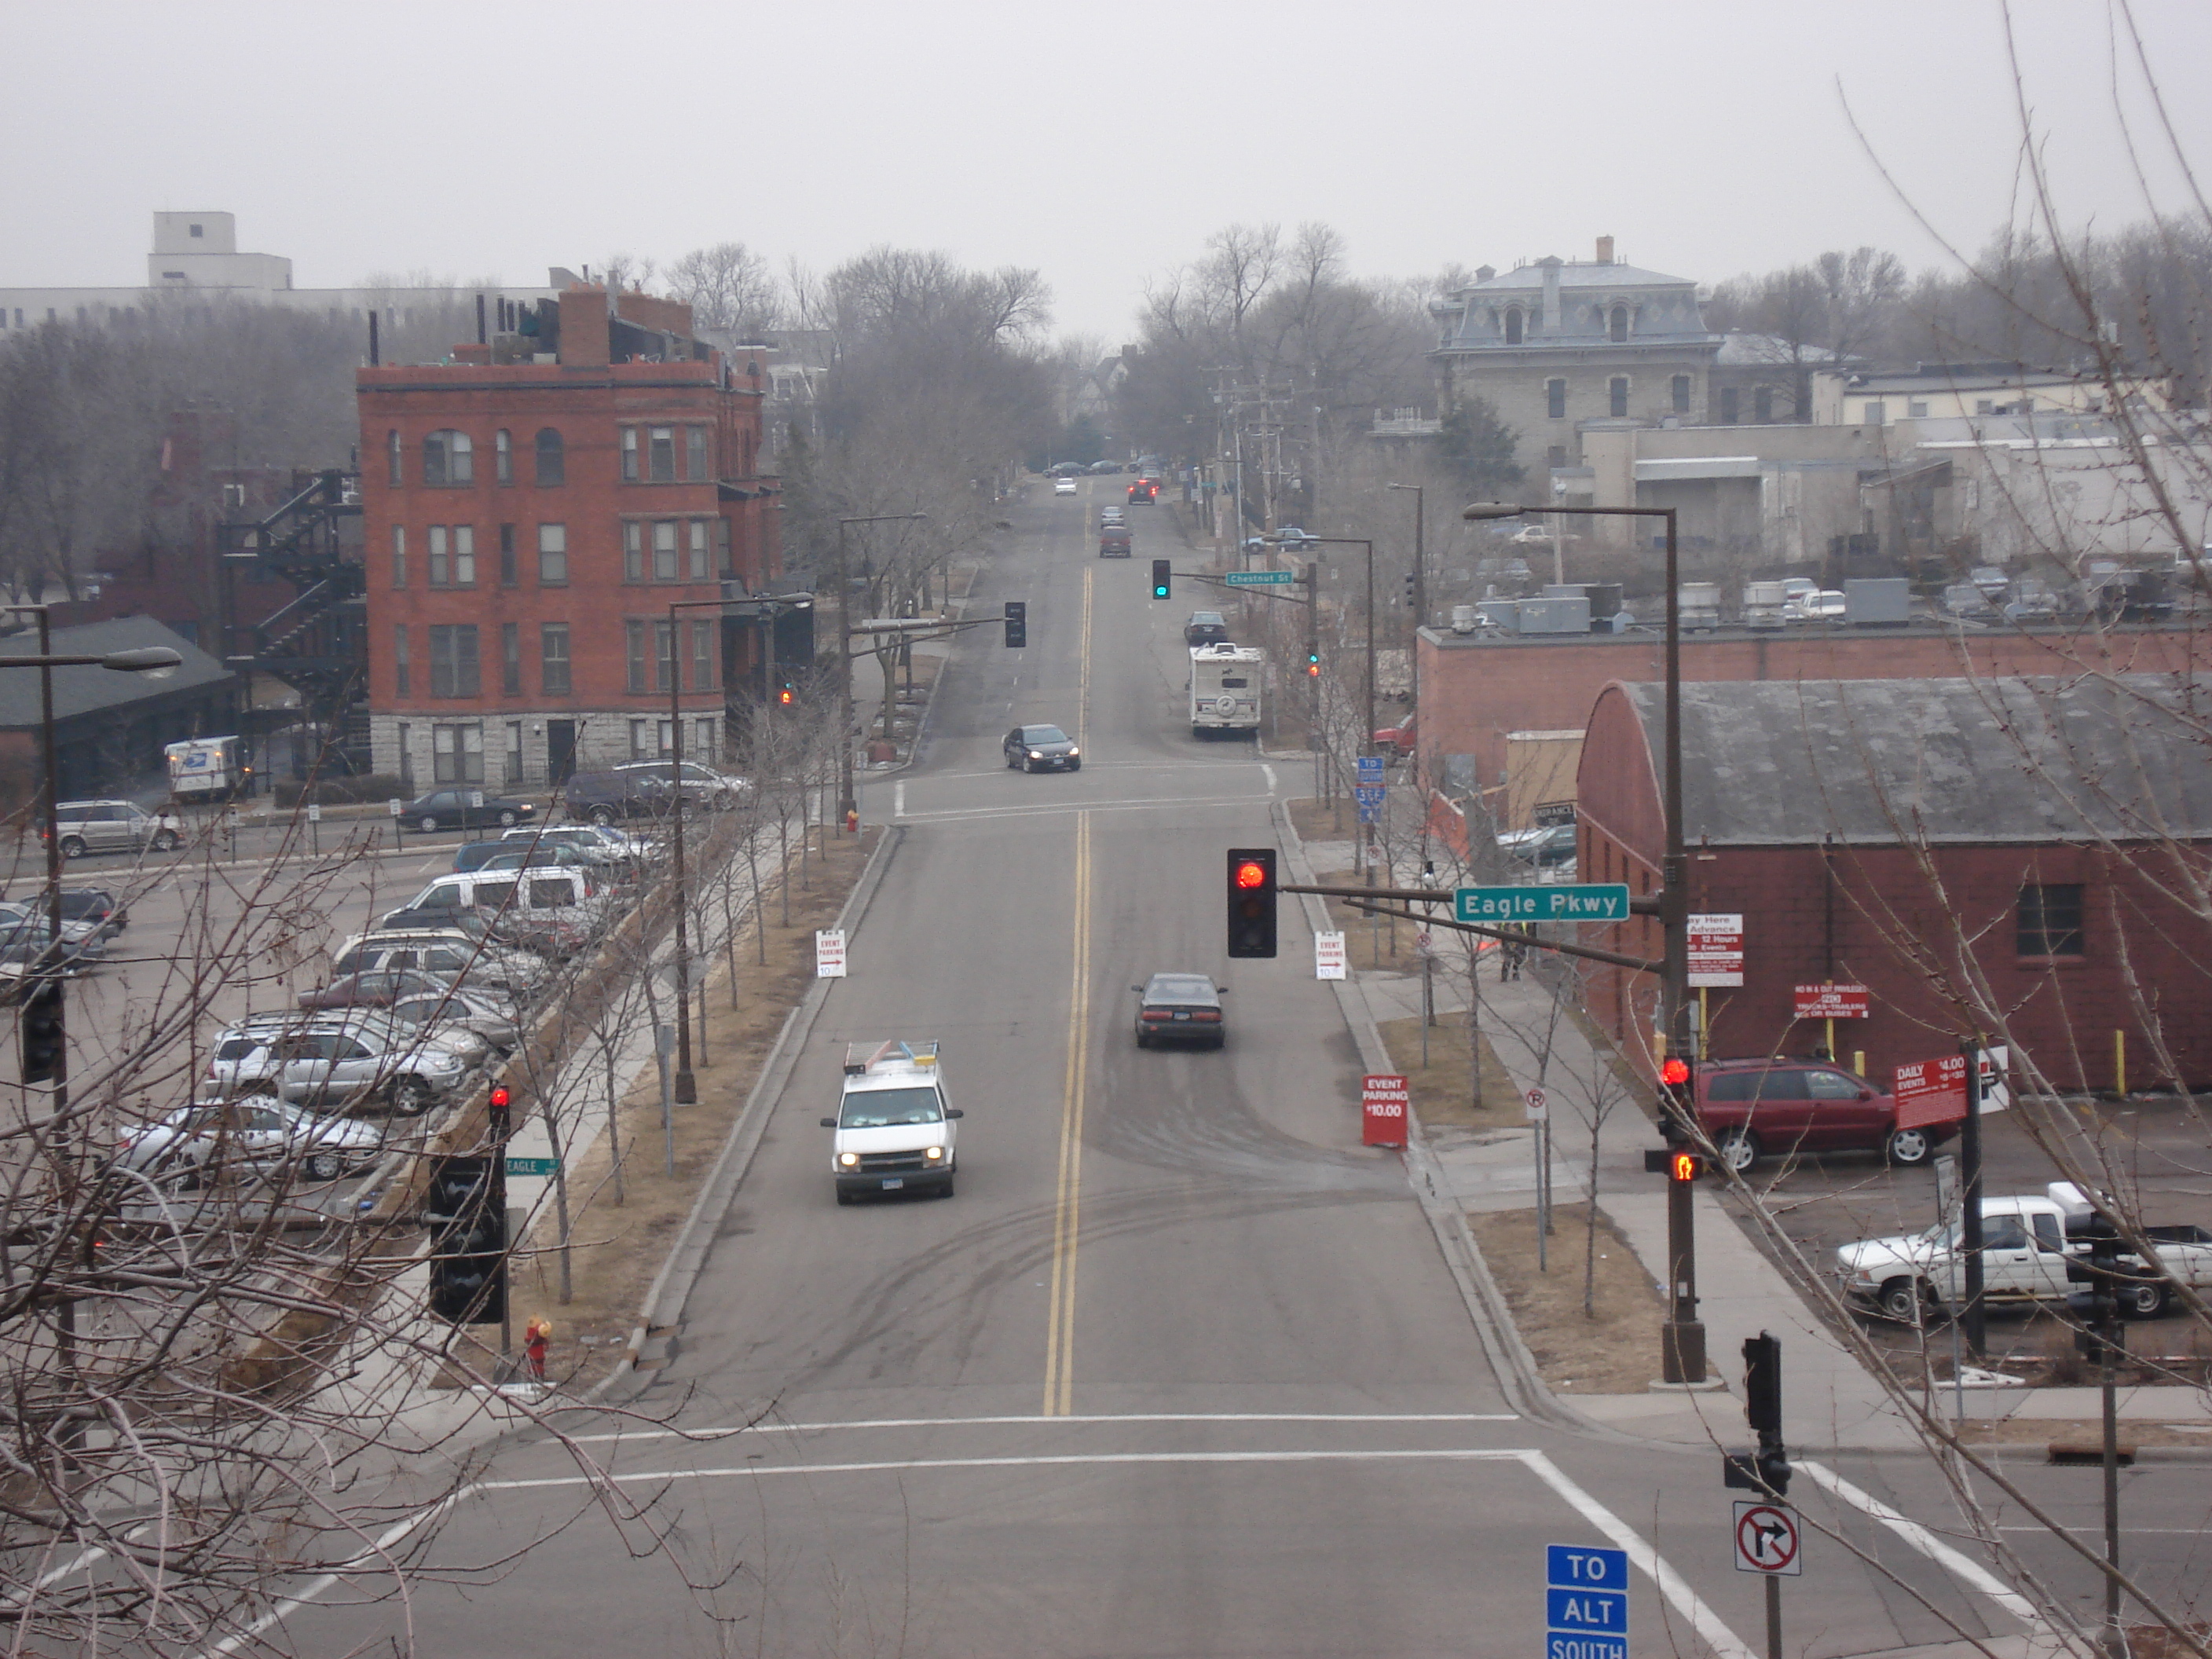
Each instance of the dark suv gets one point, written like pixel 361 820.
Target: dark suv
pixel 640 789
pixel 1769 1107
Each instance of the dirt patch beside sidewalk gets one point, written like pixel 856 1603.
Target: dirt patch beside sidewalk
pixel 1611 1349
pixel 1443 1093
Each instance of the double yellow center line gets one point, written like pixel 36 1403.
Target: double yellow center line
pixel 1059 1332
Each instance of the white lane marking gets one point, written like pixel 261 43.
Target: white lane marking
pixel 377 1551
pixel 1672 1585
pixel 1960 1566
pixel 898 800
pixel 1045 1460
pixel 1049 808
pixel 1032 1420
pixel 1269 773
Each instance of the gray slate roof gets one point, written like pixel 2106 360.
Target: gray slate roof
pixel 2126 758
pixel 93 690
pixel 1574 274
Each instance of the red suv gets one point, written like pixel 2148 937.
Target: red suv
pixel 1755 1109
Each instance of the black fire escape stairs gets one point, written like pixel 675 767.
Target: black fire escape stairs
pixel 317 643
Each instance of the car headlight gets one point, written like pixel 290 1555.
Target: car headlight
pixel 934 1151
pixel 847 1160
pixel 1037 754
pixel 1073 751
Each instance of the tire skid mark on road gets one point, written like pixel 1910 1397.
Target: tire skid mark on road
pixel 1060 1316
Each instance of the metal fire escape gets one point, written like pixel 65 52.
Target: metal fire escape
pixel 317 643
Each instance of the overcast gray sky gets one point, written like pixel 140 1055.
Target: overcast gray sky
pixel 1100 144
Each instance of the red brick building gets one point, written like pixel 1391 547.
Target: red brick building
pixel 2023 858
pixel 532 510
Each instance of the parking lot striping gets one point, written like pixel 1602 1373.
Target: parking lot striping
pixel 1059 1315
pixel 1959 1564
pixel 618 1436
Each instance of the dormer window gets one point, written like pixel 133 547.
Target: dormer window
pixel 1617 326
pixel 1513 327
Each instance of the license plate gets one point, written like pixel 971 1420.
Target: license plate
pixel 1182 1013
pixel 893 1183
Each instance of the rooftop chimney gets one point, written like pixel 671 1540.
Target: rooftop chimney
pixel 1605 249
pixel 1484 273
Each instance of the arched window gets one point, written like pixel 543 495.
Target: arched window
pixel 1513 327
pixel 1617 326
pixel 552 462
pixel 393 456
pixel 448 458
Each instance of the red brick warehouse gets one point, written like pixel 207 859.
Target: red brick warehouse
pixel 531 508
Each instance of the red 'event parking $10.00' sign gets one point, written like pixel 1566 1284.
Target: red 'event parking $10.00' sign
pixel 1383 1102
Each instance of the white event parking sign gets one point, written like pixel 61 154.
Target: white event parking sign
pixel 1328 956
pixel 830 953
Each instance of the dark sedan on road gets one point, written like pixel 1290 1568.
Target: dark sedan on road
pixel 1204 628
pixel 465 809
pixel 1180 1008
pixel 1041 748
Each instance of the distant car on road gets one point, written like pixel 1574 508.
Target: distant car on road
pixel 1180 1008
pixel 113 826
pixel 95 905
pixel 1041 748
pixel 1204 627
pixel 1145 492
pixel 464 809
pixel 1063 486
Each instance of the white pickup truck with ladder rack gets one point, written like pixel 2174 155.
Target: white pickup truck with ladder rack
pixel 893 1132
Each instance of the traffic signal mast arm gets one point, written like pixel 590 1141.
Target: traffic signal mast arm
pixel 1376 902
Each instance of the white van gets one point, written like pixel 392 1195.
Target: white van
pixel 551 906
pixel 1225 687
pixel 893 1132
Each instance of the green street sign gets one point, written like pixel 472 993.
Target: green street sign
pixel 1587 901
pixel 533 1166
pixel 1261 578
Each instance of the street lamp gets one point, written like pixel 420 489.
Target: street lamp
pixel 686 1087
pixel 1420 598
pixel 1683 1341
pixel 847 803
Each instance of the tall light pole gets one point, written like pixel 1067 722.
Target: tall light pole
pixel 847 802
pixel 687 1086
pixel 1683 1341
pixel 1420 598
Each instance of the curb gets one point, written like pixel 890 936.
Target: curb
pixel 665 1298
pixel 1515 1367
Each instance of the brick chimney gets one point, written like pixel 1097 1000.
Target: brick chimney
pixel 584 328
pixel 1605 249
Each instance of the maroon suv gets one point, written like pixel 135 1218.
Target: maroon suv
pixel 1770 1108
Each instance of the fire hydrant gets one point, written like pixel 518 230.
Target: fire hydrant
pixel 852 820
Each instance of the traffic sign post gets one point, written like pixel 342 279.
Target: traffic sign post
pixel 1539 1148
pixel 1585 1602
pixel 1261 578
pixel 1931 1091
pixel 1716 951
pixel 1328 956
pixel 1583 902
pixel 830 953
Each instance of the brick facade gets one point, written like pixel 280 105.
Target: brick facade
pixel 519 601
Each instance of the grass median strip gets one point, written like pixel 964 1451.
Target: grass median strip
pixel 1613 1347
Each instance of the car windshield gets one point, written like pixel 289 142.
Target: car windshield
pixel 1179 988
pixel 882 1108
pixel 1043 734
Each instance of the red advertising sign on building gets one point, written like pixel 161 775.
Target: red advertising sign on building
pixel 1832 1002
pixel 1931 1091
pixel 1716 949
pixel 1383 1102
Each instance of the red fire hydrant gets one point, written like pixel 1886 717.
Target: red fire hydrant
pixel 534 1336
pixel 852 820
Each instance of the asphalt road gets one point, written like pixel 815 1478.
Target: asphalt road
pixel 1182 1369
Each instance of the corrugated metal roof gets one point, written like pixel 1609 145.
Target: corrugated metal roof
pixel 2126 758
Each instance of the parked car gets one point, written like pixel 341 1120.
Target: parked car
pixel 96 906
pixel 584 844
pixel 1179 1008
pixel 1546 846
pixel 457 960
pixel 641 789
pixel 113 826
pixel 1400 739
pixel 24 925
pixel 1105 469
pixel 472 854
pixel 464 809
pixel 256 1135
pixel 332 1061
pixel 1767 1107
pixel 471 1011
pixel 1968 603
pixel 374 987
pixel 1204 627
pixel 2032 602
pixel 1041 748
pixel 556 911
pixel 1990 579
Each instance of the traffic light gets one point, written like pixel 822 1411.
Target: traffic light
pixel 1017 624
pixel 468 1241
pixel 43 1032
pixel 1412 584
pixel 2097 1309
pixel 1676 1163
pixel 1159 578
pixel 1678 1097
pixel 497 1108
pixel 787 695
pixel 1766 1469
pixel 1313 660
pixel 1251 900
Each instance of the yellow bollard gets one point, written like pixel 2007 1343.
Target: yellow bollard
pixel 2120 1063
pixel 1858 1061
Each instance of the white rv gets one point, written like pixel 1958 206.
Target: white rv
pixel 1225 687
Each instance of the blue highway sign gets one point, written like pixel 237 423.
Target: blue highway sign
pixel 1572 1566
pixel 1367 794
pixel 1370 768
pixel 1585 1602
pixel 1583 901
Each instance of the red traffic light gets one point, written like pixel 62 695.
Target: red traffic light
pixel 1251 874
pixel 784 696
pixel 499 1097
pixel 1675 1072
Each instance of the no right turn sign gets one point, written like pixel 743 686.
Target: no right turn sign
pixel 1767 1540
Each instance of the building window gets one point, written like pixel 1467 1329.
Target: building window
pixel 507 555
pixel 1916 408
pixel 664 550
pixel 448 459
pixel 1555 455
pixel 1762 405
pixel 1984 406
pixel 630 455
pixel 553 659
pixel 1728 405
pixel 502 453
pixel 453 670
pixel 552 461
pixel 510 660
pixel 457 754
pixel 400 665
pixel 452 556
pixel 406 756
pixel 1681 394
pixel 2049 920
pixel 700 554
pixel 661 453
pixel 393 456
pixel 1555 400
pixel 722 565
pixel 1513 327
pixel 695 455
pixel 552 556
pixel 640 740
pixel 513 752
pixel 399 555
pixel 1618 402
pixel 702 740
pixel 1617 326
pixel 705 635
pixel 634 653
pixel 1876 414
pixel 664 656
pixel 632 551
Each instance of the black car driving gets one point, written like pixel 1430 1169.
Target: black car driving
pixel 1204 628
pixel 1179 1008
pixel 1041 748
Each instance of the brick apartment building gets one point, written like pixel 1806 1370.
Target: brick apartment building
pixel 2019 846
pixel 532 510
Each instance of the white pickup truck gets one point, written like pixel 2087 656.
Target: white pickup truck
pixel 893 1131
pixel 2025 1250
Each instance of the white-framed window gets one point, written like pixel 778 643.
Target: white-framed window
pixel 399 555
pixel 640 739
pixel 457 754
pixel 630 455
pixel 664 654
pixel 552 556
pixel 701 552
pixel 448 459
pixel 632 551
pixel 664 550
pixel 553 659
pixel 502 450
pixel 660 451
pixel 406 755
pixel 452 556
pixel 706 637
pixel 1916 408
pixel 394 454
pixel 513 752
pixel 454 664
